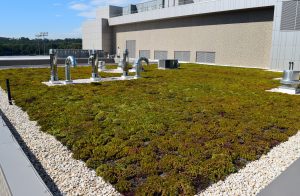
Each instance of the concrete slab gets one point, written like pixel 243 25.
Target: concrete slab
pixel 284 90
pixel 88 81
pixel 288 183
pixel 19 174
pixel 115 70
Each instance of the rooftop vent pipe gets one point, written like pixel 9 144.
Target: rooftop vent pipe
pixel 70 61
pixel 94 60
pixel 138 66
pixel 290 79
pixel 53 65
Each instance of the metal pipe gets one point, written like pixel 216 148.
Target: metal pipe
pixel 68 63
pixel 125 66
pixel 138 66
pixel 94 60
pixel 53 65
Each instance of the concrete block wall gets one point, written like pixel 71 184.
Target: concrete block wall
pixel 96 35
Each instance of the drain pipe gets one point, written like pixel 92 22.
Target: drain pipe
pixel 138 66
pixel 53 66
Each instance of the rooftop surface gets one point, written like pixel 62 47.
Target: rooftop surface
pixel 21 177
pixel 286 184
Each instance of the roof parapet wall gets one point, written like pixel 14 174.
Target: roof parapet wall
pixel 181 8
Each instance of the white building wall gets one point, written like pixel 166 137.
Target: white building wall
pixel 92 35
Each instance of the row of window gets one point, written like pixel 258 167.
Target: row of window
pixel 201 56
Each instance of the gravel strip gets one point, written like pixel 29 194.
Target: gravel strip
pixel 66 176
pixel 258 174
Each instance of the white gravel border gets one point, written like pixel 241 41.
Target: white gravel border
pixel 70 176
pixel 260 173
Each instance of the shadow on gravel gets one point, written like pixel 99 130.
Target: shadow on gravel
pixel 32 158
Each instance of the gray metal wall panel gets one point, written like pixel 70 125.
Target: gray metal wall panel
pixel 288 15
pixel 144 53
pixel 205 57
pixel 297 26
pixel 182 55
pixel 159 54
pixel 131 46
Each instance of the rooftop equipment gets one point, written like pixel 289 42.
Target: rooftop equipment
pixel 290 79
pixel 168 64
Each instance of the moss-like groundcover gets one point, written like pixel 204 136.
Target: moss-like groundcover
pixel 172 132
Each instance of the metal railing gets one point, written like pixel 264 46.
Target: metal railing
pixel 154 5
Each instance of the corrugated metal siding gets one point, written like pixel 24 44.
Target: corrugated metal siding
pixel 298 17
pixel 205 57
pixel 289 15
pixel 131 46
pixel 158 54
pixel 145 53
pixel 182 55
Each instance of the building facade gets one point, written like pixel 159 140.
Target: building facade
pixel 251 33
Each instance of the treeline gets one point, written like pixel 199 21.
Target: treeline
pixel 25 46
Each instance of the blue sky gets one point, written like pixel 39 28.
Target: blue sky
pixel 61 18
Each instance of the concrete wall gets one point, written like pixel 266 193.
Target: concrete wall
pixel 240 38
pixel 96 34
pixel 92 35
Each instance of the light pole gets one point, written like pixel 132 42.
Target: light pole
pixel 43 35
pixel 38 37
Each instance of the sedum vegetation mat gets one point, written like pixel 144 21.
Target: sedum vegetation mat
pixel 173 132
